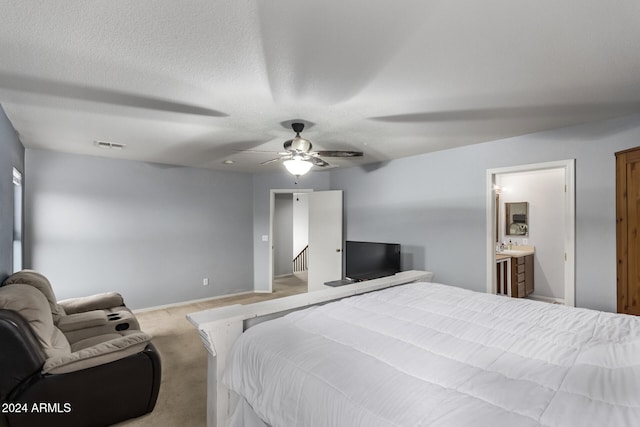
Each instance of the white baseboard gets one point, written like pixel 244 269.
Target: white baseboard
pixel 546 299
pixel 177 304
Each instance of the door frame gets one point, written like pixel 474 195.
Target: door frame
pixel 272 203
pixel 569 218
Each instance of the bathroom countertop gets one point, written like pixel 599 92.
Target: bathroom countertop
pixel 516 251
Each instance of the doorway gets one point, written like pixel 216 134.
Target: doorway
pixel 289 232
pixel 325 239
pixel 553 229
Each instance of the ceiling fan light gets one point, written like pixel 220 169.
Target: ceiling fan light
pixel 297 166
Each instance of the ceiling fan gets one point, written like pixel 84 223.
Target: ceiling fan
pixel 298 158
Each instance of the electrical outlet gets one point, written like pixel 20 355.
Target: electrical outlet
pixel 205 281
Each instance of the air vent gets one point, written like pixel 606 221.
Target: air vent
pixel 109 145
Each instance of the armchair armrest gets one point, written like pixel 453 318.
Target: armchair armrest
pixel 94 302
pixel 99 354
pixel 88 319
pixel 21 355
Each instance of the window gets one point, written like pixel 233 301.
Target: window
pixel 17 220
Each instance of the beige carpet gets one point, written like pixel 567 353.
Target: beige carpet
pixel 182 397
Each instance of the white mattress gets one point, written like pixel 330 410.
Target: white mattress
pixel 427 354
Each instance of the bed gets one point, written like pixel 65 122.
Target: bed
pixel 426 354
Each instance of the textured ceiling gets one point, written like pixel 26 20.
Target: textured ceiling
pixel 192 82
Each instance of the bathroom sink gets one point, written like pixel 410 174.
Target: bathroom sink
pixel 511 252
pixel 517 251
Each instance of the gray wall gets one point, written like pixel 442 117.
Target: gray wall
pixel 262 185
pixel 94 222
pixel 149 231
pixel 434 204
pixel 11 155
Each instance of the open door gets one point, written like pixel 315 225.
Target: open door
pixel 325 238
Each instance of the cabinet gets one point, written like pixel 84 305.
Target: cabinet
pixel 521 276
pixel 627 229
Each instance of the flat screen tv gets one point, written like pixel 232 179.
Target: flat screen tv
pixel 370 260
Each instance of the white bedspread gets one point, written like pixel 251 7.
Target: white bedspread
pixel 427 354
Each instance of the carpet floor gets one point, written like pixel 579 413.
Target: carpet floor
pixel 182 398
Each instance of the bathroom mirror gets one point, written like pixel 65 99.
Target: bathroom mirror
pixel 517 219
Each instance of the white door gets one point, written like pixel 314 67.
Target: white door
pixel 325 238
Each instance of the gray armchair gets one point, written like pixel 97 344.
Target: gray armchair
pixel 46 378
pixel 84 317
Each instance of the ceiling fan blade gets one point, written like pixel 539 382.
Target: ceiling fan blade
pixel 339 153
pixel 317 161
pixel 270 161
pixel 254 151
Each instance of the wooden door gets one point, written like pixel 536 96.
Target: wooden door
pixel 627 228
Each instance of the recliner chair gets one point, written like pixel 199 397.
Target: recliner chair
pixel 48 379
pixel 82 317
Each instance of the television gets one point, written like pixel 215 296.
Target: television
pixel 371 260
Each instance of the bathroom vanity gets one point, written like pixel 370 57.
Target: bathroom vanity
pixel 514 271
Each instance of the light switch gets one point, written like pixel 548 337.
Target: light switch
pixel 265 238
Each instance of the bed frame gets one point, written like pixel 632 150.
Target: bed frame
pixel 220 327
